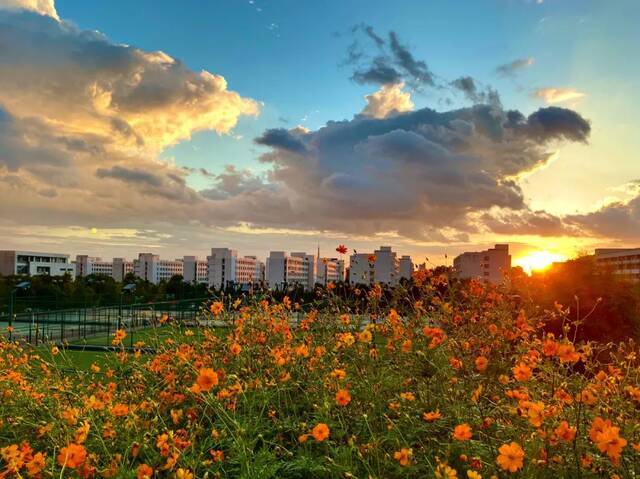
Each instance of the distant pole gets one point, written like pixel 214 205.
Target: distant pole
pixel 11 298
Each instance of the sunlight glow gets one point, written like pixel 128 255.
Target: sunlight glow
pixel 538 260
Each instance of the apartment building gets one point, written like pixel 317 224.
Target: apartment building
pixel 297 268
pixel 490 265
pixel 33 263
pixel 195 270
pixel 361 268
pixel 88 265
pixel 151 268
pixel 406 267
pixel 226 268
pixel 621 261
pixel 330 270
pixel 121 268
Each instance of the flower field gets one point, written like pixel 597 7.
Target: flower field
pixel 432 381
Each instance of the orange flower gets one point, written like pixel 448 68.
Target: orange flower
pixel 564 432
pixel 207 378
pixel 522 372
pixel 217 455
pixel 320 432
pixel 567 353
pixel 72 456
pixel 120 410
pixel 462 432
pixel 481 363
pixel 403 456
pixel 235 349
pixel 216 308
pixel 35 465
pixel 431 416
pixel 511 457
pixel 343 397
pixel 607 438
pixel 144 472
pixel 118 336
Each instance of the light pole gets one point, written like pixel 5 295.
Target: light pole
pixel 12 297
pixel 128 288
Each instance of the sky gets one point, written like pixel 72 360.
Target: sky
pixel 435 127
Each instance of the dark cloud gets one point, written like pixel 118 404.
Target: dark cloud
pixel 424 174
pixel 619 220
pixel 467 85
pixel 282 139
pixel 538 223
pixel 555 122
pixel 129 175
pixel 511 68
pixel 392 63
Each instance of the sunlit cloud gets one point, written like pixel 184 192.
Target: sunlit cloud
pixel 558 95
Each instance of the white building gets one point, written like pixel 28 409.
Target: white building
pixel 490 265
pixel 195 270
pixel 226 268
pixel 361 268
pixel 386 266
pixel 330 270
pixel 282 269
pixel 88 265
pixel 621 261
pixel 33 263
pixel 406 267
pixel 381 266
pixel 121 268
pixel 150 267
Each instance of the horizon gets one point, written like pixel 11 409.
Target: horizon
pixel 175 128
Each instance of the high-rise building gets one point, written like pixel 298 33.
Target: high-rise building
pixel 151 268
pixel 121 268
pixel 386 266
pixel 406 267
pixel 195 271
pixel 296 269
pixel 33 263
pixel 361 268
pixel 330 270
pixel 624 262
pixel 382 266
pixel 490 265
pixel 88 265
pixel 226 268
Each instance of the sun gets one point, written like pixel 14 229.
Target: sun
pixel 538 260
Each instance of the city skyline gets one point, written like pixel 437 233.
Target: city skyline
pixel 167 128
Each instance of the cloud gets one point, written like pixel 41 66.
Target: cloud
pixel 514 67
pixel 619 220
pixel 392 63
pixel 388 100
pixel 539 223
pixel 81 82
pixel 43 7
pixel 467 85
pixel 558 95
pixel 422 174
pixel 83 120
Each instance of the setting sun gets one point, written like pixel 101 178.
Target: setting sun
pixel 538 260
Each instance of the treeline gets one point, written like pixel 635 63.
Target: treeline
pixel 62 292
pixel 608 305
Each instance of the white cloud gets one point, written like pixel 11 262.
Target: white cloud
pixel 389 99
pixel 43 7
pixel 558 95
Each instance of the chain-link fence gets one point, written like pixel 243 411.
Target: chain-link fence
pixel 96 325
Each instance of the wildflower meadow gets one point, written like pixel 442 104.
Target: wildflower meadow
pixel 433 380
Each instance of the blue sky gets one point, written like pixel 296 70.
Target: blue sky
pixel 288 59
pixel 288 53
